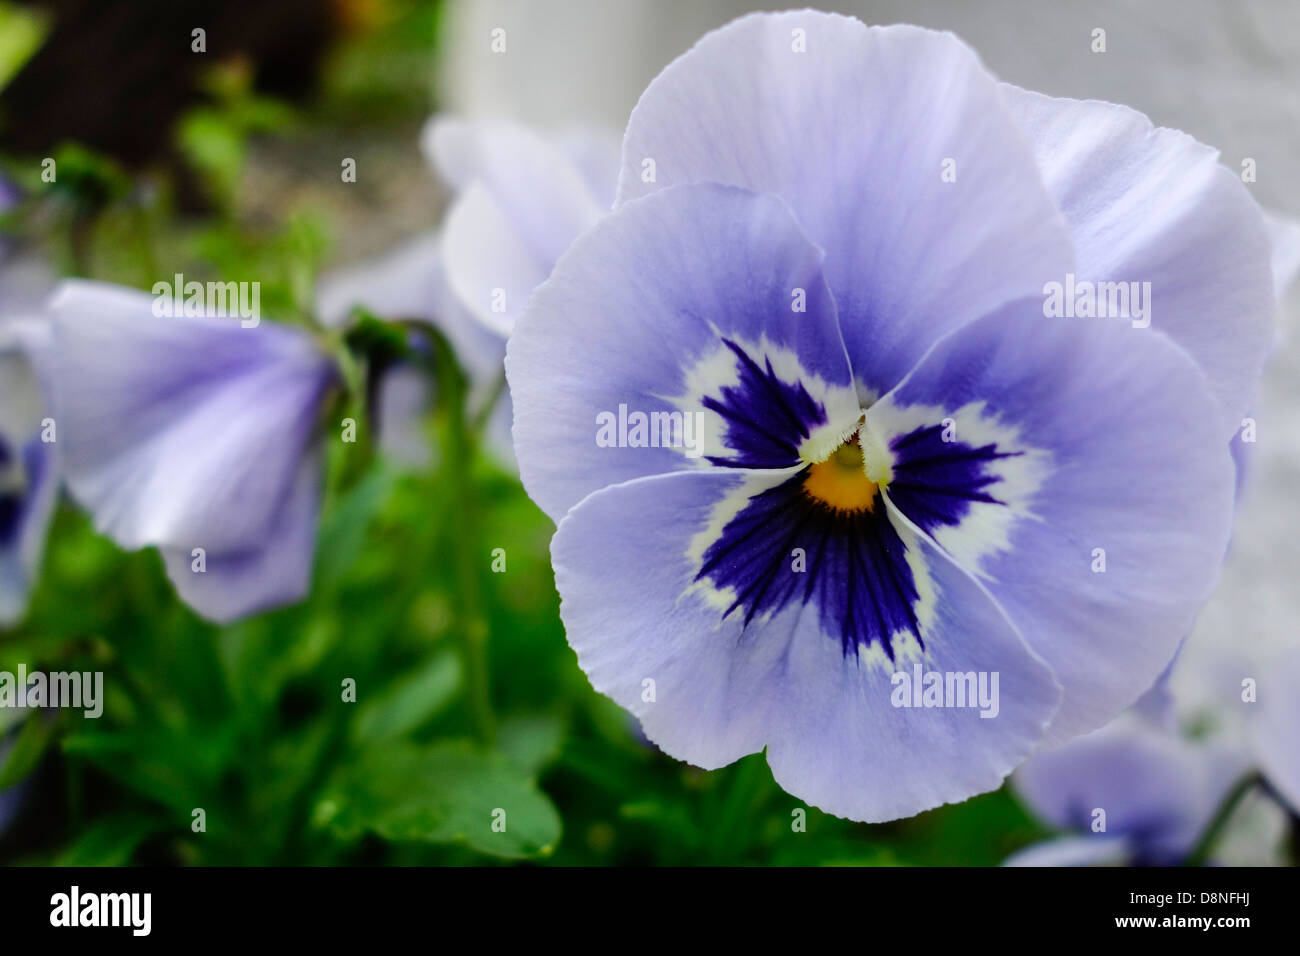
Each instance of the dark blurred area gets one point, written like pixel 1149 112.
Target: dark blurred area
pixel 115 75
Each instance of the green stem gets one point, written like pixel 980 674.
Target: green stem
pixel 386 342
pixel 1214 831
pixel 471 628
pixel 489 405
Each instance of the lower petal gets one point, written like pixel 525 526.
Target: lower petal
pixel 232 585
pixel 842 730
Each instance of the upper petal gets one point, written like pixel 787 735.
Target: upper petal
pixel 182 432
pixel 893 147
pixel 702 302
pixel 1152 205
pixel 521 202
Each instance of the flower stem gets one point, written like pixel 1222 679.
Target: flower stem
pixel 1201 853
pixel 471 628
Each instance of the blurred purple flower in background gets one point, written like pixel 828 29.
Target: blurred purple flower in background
pixel 1134 792
pixel 1276 733
pixel 29 468
pixel 28 454
pixel 831 251
pixel 195 435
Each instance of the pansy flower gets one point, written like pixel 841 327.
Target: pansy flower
pixel 29 468
pixel 833 478
pixel 1131 793
pixel 200 436
pixel 28 463
pixel 520 199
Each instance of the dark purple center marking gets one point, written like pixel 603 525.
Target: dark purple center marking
pixel 855 569
pixel 854 566
pixel 766 419
pixel 13 501
pixel 935 482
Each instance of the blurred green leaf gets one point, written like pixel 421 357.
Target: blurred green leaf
pixel 22 31
pixel 215 147
pixel 27 750
pixel 110 841
pixel 410 701
pixel 447 793
pixel 344 529
pixel 531 741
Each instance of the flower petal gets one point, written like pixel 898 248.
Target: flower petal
pixel 1099 850
pixel 410 282
pixel 709 688
pixel 1074 466
pixel 1154 788
pixel 181 432
pixel 404 283
pixel 595 152
pixel 490 267
pixel 893 147
pixel 1149 204
pixel 521 203
pixel 704 302
pixel 24 521
pixel 403 402
pixel 1276 727
pixel 29 469
pixel 1284 234
pixel 277 573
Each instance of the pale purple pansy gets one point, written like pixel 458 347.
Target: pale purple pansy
pixel 813 438
pixel 409 283
pixel 11 798
pixel 195 435
pixel 1133 793
pixel 29 465
pixel 28 455
pixel 520 199
pixel 1275 733
pixel 1145 790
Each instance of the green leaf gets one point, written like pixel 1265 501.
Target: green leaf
pixel 109 842
pixel 22 32
pixel 150 762
pixel 531 741
pixel 214 146
pixel 448 793
pixel 27 750
pixel 410 701
pixel 344 529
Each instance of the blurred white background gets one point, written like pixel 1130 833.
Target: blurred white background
pixel 1226 71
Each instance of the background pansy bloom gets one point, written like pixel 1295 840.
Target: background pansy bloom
pixel 194 434
pixel 829 257
pixel 28 454
pixel 519 199
pixel 29 470
pixel 1132 793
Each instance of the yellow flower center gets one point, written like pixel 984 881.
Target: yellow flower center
pixel 841 480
